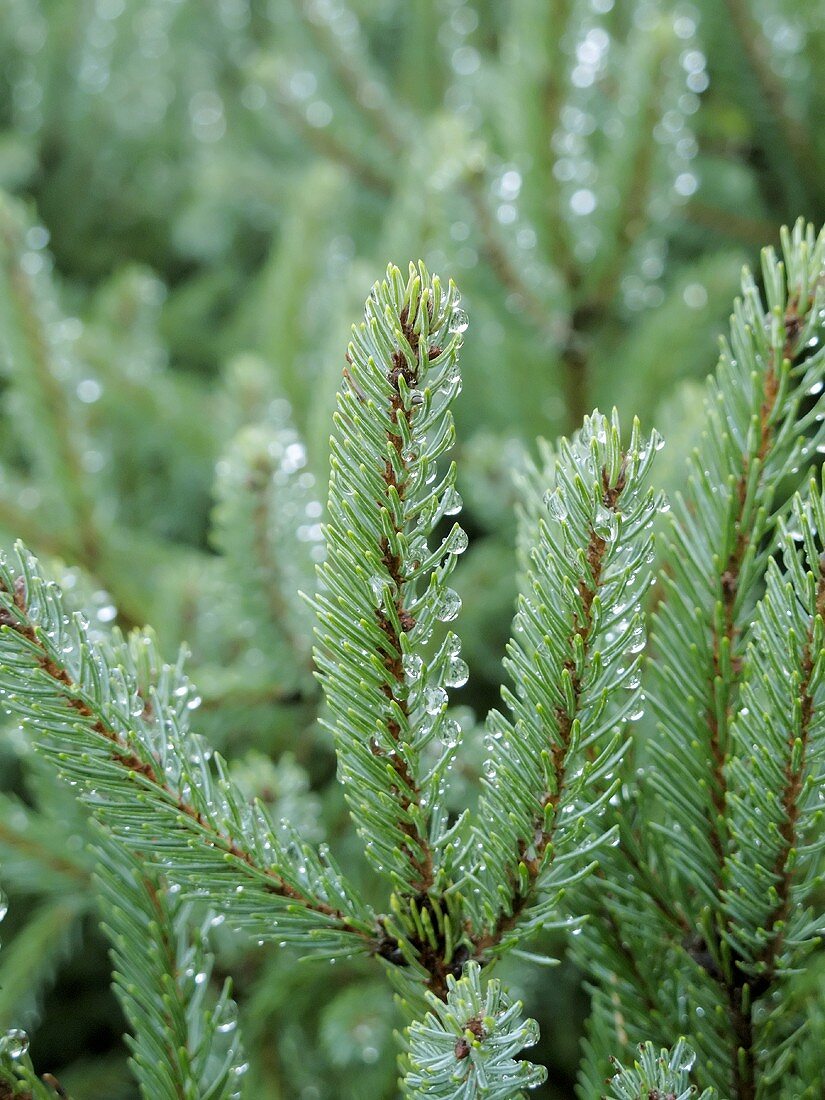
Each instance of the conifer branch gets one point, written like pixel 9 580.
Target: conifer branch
pixel 546 145
pixel 184 1043
pixel 366 94
pixel 52 420
pixel 801 751
pixel 732 840
pixel 129 751
pixel 328 144
pixel 502 263
pixel 729 223
pixel 28 856
pixel 575 651
pixel 720 536
pixel 632 162
pixel 776 856
pixel 267 526
pixel 623 948
pixel 538 34
pixel 383 590
pixel 757 51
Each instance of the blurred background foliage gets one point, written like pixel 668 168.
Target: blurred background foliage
pixel 198 194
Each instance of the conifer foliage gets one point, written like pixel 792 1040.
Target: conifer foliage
pixel 465 1045
pixel 713 907
pixel 687 862
pixel 655 1075
pixel 383 586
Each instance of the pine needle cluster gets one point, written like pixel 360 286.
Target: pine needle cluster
pixel 683 856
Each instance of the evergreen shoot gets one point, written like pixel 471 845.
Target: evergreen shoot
pixel 464 1046
pixel 655 1076
pixel 710 911
pixel 684 860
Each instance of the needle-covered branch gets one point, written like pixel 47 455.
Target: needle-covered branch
pixel 705 901
pixel 115 719
pixel 43 372
pixel 184 1040
pixel 574 664
pixel 726 828
pixel 267 526
pixel 762 425
pixel 777 771
pixel 383 585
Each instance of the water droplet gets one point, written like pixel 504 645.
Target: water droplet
pixel 688 1060
pixel 448 606
pixel 458 321
pixel 451 382
pixel 15 1043
pixel 89 390
pixel 555 502
pixel 412 665
pixel 452 502
pixel 457 541
pixel 637 641
pixel 583 201
pixel 529 1033
pixel 450 733
pixel 435 699
pixel 457 672
pixel 605 524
